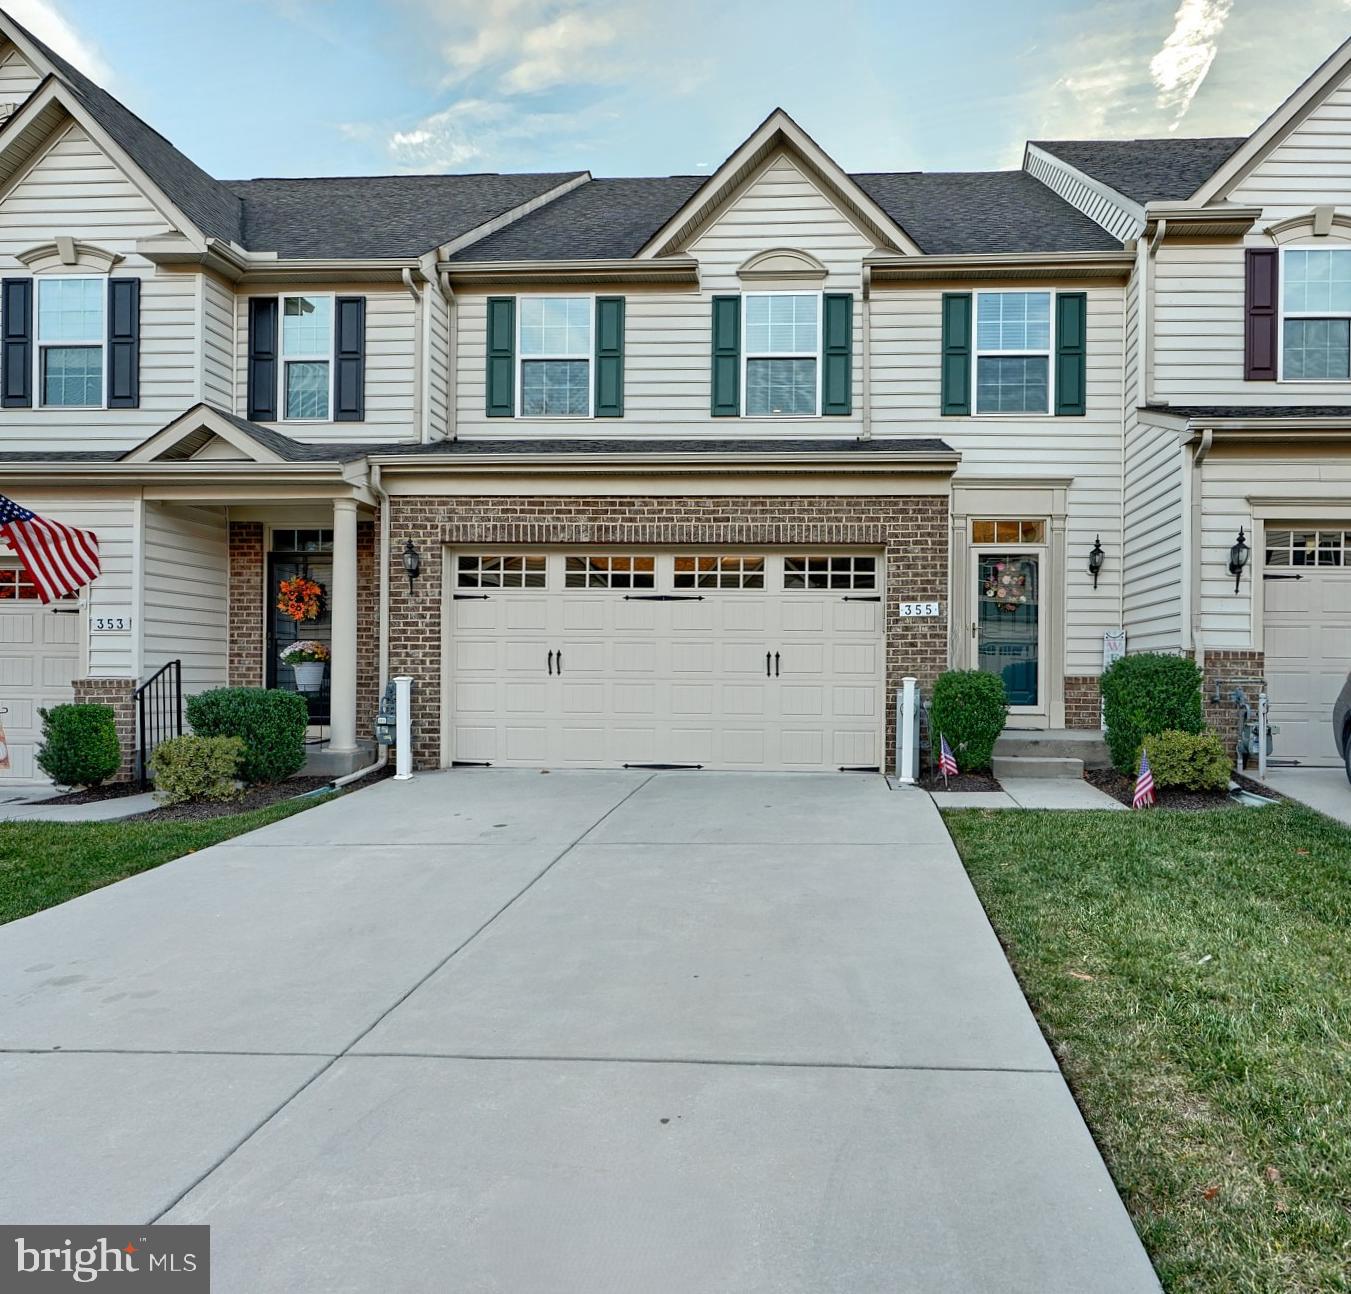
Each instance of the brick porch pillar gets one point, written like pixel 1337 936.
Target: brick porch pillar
pixel 117 693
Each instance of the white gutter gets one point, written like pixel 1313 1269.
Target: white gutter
pixel 866 383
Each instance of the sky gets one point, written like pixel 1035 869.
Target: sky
pixel 655 87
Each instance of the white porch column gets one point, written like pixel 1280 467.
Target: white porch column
pixel 343 614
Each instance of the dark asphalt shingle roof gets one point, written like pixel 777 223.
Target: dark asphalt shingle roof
pixel 602 219
pixel 61 456
pixel 957 212
pixel 378 215
pixel 1253 412
pixel 1146 170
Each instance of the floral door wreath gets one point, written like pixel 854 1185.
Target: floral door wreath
pixel 1006 586
pixel 301 598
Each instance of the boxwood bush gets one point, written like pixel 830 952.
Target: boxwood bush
pixel 1147 694
pixel 79 744
pixel 270 722
pixel 969 708
pixel 196 768
pixel 1194 761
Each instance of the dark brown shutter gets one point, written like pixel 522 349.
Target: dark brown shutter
pixel 1261 289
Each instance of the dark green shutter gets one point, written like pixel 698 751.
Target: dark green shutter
pixel 609 357
pixel 956 353
pixel 726 386
pixel 124 343
pixel 1071 336
pixel 837 354
pixel 349 359
pixel 501 384
pixel 16 349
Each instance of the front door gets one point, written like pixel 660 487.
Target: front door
pixel 282 630
pixel 1006 624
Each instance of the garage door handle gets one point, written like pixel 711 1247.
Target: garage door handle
pixel 559 661
pixel 767 660
pixel 776 664
pixel 551 664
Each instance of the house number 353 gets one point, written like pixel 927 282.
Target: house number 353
pixel 112 624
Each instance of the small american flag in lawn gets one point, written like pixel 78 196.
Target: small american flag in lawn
pixel 58 558
pixel 1144 785
pixel 947 761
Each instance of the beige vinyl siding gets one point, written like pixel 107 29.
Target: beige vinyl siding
pixel 906 339
pixel 185 597
pixel 17 78
pixel 668 333
pixel 218 343
pixel 391 367
pixel 1153 555
pixel 438 365
pixel 1310 167
pixel 1088 196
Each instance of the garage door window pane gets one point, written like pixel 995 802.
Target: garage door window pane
pixel 610 572
pixel 479 571
pixel 829 573
pixel 15 586
pixel 720 572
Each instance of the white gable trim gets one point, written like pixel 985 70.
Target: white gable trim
pixel 778 130
pixel 190 433
pixel 1277 127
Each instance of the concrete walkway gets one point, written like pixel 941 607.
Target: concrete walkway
pixel 510 1031
pixel 26 806
pixel 1032 793
pixel 1324 789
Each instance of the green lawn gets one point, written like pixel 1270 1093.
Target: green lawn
pixel 45 863
pixel 1193 973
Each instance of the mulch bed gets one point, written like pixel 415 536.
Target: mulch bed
pixel 962 782
pixel 1121 787
pixel 256 797
pixel 109 791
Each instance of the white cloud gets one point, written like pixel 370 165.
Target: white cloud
pixel 49 25
pixel 1178 69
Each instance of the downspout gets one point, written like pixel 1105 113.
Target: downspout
pixel 866 384
pixel 1125 396
pixel 1146 375
pixel 420 350
pixel 1191 570
pixel 452 323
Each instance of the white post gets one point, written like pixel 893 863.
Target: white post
pixel 403 728
pixel 1262 705
pixel 905 718
pixel 342 603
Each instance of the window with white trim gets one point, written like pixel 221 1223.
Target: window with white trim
pixel 70 338
pixel 699 572
pixel 830 572
pixel 1012 354
pixel 781 345
pixel 307 358
pixel 603 572
pixel 1331 547
pixel 488 571
pixel 1315 314
pixel 554 335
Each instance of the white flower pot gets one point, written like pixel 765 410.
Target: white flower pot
pixel 309 675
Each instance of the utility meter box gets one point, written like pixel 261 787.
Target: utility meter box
pixel 385 716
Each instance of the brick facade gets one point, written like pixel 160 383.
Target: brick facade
pixel 368 630
pixel 1242 670
pixel 912 531
pixel 116 692
pixel 246 604
pixel 1083 701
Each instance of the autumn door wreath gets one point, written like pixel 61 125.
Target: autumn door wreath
pixel 1006 586
pixel 301 598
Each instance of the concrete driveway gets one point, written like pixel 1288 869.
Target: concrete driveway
pixel 515 1031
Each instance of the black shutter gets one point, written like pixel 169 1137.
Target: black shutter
pixel 16 344
pixel 956 398
pixel 726 399
pixel 1261 282
pixel 349 359
pixel 124 343
pixel 263 359
pixel 837 354
pixel 500 380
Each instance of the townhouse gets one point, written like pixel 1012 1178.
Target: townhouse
pixel 675 470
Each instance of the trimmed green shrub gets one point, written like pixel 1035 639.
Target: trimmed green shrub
pixel 1194 761
pixel 969 708
pixel 270 722
pixel 1147 694
pixel 196 768
pixel 79 744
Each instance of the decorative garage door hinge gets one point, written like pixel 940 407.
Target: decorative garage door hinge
pixel 662 597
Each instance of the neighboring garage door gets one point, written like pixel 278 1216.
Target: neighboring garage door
pixel 596 659
pixel 1307 632
pixel 39 656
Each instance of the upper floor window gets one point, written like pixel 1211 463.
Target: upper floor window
pixel 70 340
pixel 1013 352
pixel 555 357
pixel 782 346
pixel 1316 315
pixel 306 353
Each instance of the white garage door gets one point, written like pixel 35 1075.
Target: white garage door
pixel 39 656
pixel 597 659
pixel 1307 596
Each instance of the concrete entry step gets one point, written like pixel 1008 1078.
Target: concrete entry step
pixel 1086 745
pixel 1019 766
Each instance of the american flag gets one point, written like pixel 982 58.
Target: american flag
pixel 947 761
pixel 58 558
pixel 1144 784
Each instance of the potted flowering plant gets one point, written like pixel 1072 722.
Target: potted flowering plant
pixel 307 658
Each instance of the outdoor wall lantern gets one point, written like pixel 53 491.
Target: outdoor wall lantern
pixel 1096 557
pixel 1238 558
pixel 412 562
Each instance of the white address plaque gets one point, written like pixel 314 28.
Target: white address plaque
pixel 911 609
pixel 110 624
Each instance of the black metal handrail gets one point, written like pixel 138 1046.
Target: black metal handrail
pixel 159 714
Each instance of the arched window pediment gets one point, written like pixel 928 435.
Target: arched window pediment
pixel 787 264
pixel 69 253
